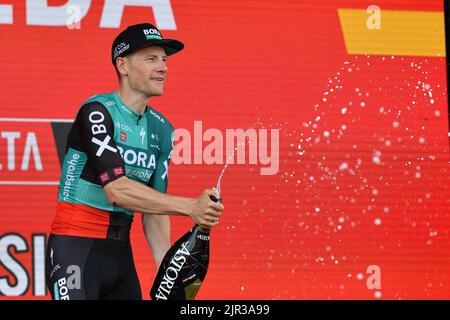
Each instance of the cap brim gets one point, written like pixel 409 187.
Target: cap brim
pixel 171 46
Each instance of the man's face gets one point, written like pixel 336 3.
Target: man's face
pixel 147 70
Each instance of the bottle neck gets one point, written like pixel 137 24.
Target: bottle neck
pixel 202 229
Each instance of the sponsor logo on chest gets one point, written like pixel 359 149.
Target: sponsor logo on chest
pixel 138 158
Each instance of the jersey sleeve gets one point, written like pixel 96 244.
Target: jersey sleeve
pixel 159 178
pixel 96 130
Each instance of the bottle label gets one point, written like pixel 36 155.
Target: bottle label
pixel 171 274
pixel 203 237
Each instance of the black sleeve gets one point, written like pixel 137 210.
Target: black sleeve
pixel 96 130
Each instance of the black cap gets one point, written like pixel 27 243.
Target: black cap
pixel 139 36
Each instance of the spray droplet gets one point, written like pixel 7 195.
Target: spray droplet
pixel 343 166
pixel 376 160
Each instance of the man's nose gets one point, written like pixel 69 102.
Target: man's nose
pixel 162 68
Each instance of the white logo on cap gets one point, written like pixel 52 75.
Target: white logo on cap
pixel 151 31
pixel 120 48
pixel 152 34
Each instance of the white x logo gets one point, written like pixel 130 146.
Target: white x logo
pixel 103 145
pixel 166 171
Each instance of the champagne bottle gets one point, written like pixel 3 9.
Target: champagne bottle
pixel 184 266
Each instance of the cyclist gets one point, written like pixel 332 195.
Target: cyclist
pixel 116 163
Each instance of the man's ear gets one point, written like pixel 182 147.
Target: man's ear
pixel 122 65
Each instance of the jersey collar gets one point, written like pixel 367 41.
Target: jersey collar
pixel 123 107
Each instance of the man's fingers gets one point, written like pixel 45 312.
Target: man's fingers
pixel 214 213
pixel 209 211
pixel 216 206
pixel 212 220
pixel 209 224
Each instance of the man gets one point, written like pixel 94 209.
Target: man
pixel 116 163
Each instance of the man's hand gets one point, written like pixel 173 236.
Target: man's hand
pixel 204 211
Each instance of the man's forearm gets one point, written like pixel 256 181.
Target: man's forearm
pixel 134 196
pixel 157 232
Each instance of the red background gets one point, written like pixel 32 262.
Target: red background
pixel 262 64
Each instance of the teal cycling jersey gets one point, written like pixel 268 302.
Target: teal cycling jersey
pixel 109 140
